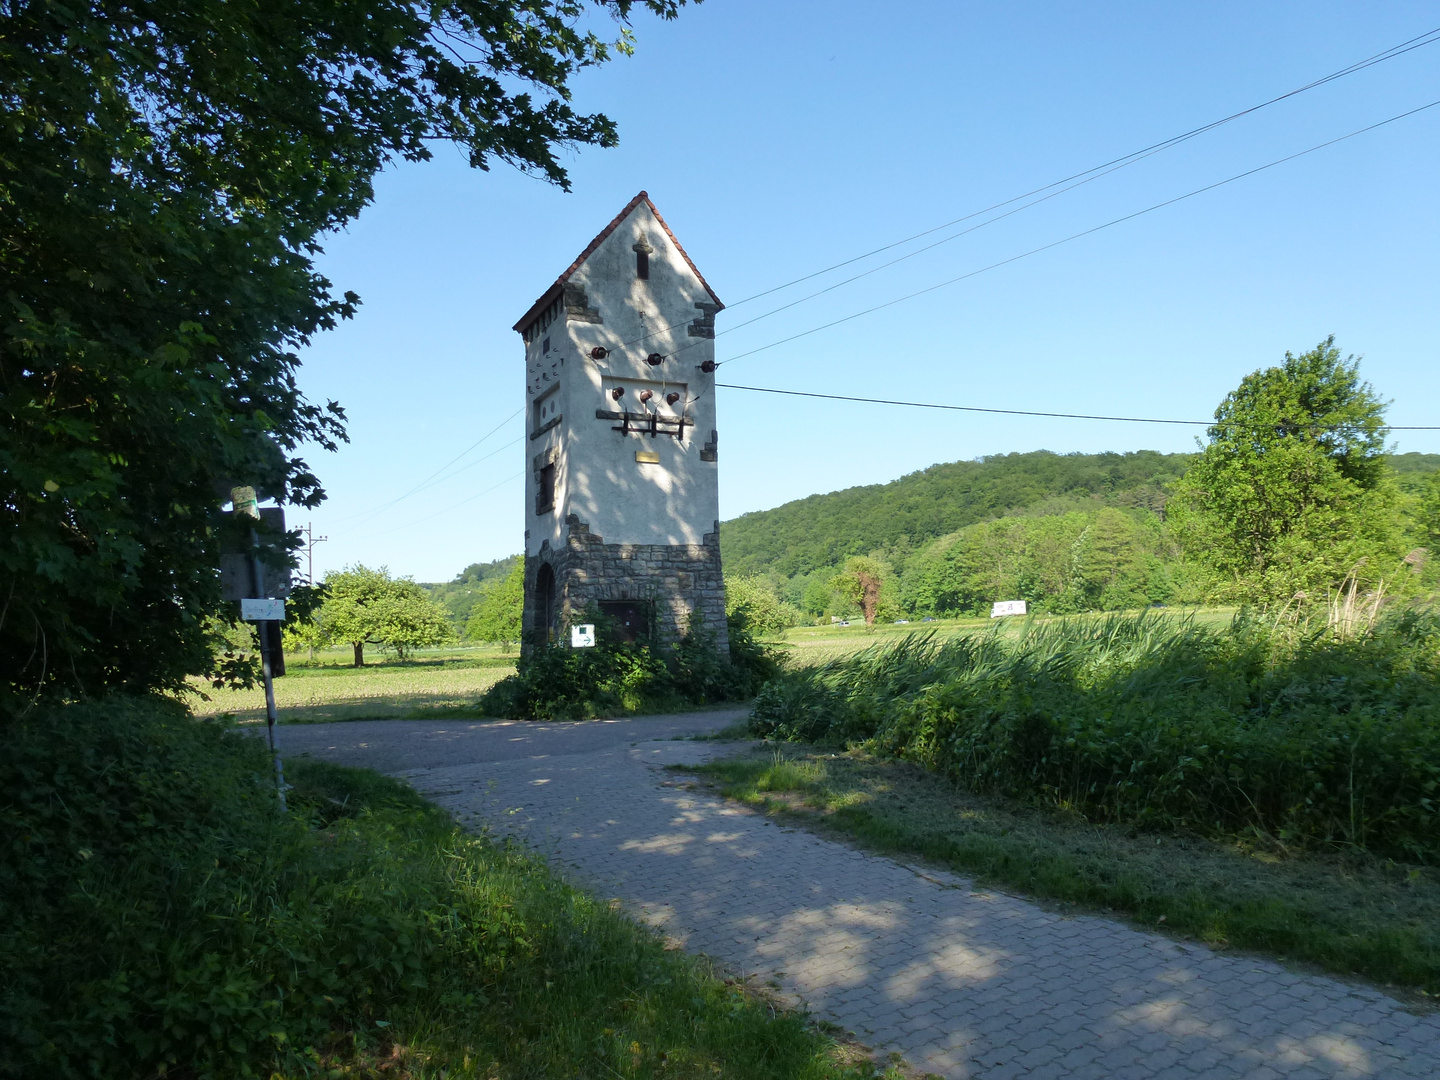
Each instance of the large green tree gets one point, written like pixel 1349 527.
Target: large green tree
pixel 167 173
pixel 497 616
pixel 1428 512
pixel 369 607
pixel 868 583
pixel 1292 493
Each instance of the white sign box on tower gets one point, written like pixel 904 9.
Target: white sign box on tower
pixel 582 637
pixel 1007 607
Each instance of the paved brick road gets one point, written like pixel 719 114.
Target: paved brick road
pixel 962 983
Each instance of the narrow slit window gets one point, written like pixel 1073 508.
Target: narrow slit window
pixel 642 265
pixel 545 499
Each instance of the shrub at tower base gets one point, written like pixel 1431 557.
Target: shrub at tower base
pixel 1308 739
pixel 556 682
pixel 160 915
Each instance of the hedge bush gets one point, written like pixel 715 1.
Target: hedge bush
pixel 556 682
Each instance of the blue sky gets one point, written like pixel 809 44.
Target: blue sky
pixel 779 138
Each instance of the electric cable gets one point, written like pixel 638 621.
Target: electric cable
pixel 1003 412
pixel 959 408
pixel 448 509
pixel 457 472
pixel 1074 180
pixel 427 481
pixel 1073 236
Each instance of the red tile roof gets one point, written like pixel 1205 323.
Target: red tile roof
pixel 548 297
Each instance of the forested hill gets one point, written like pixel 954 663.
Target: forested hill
pixel 824 530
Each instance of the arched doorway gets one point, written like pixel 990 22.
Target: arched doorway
pixel 544 602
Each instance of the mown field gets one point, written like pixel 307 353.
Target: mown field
pixel 439 681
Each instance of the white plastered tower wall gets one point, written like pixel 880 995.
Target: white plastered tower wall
pixel 628 510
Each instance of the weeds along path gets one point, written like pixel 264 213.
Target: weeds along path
pixel 962 983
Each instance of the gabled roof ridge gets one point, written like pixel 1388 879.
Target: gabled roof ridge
pixel 549 294
pixel 678 247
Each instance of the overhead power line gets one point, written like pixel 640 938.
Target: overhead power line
pixel 960 408
pixel 448 509
pixel 1419 41
pixel 427 482
pixel 1076 236
pixel 1002 412
pixel 1074 180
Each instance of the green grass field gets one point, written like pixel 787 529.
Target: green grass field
pixel 446 681
pixel 432 682
pixel 812 645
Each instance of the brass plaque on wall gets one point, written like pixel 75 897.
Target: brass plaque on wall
pixel 647 457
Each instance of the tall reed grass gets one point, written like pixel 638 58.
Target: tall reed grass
pixel 1301 736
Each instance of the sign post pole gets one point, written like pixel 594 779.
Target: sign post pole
pixel 270 718
pixel 263 613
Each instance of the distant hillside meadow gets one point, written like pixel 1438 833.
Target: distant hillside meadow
pixel 1065 532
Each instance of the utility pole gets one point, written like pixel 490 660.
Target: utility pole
pixel 310 541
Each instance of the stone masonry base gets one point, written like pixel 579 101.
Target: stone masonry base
pixel 678 580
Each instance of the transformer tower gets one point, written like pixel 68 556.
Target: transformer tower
pixel 621 496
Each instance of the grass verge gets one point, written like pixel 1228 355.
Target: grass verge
pixel 1349 914
pixel 163 917
pixel 444 687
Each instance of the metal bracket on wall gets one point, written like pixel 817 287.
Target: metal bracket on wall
pixel 646 423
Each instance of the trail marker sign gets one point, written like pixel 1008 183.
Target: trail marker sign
pixel 262 610
pixel 582 637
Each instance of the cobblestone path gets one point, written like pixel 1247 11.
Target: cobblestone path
pixel 962 983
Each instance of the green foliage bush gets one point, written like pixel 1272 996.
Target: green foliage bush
pixel 1103 560
pixel 556 682
pixel 363 607
pixel 160 915
pixel 463 594
pixel 1302 738
pixel 154 916
pixel 753 602
pixel 496 616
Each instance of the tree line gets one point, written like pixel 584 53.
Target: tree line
pixel 1294 495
